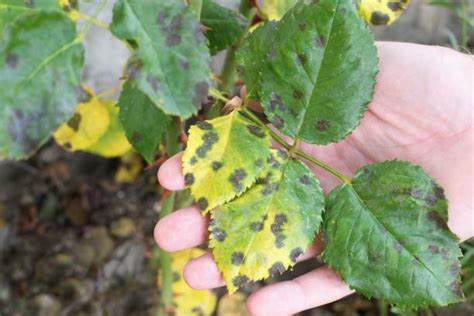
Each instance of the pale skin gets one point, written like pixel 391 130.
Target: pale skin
pixel 422 111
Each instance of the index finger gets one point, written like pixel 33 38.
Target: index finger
pixel 170 174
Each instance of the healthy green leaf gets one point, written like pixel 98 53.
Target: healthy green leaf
pixel 264 231
pixel 386 234
pixel 40 79
pixel 316 70
pixel 143 122
pixel 223 158
pixel 171 61
pixel 224 25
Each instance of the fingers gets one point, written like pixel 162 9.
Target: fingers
pixel 170 174
pixel 182 229
pixel 203 273
pixel 316 288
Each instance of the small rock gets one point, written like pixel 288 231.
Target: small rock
pixel 124 227
pixel 126 262
pixel 103 245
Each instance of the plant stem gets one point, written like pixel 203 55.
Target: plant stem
pixel 94 21
pixel 196 5
pixel 321 164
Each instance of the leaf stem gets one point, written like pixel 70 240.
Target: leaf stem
pixel 322 165
pixel 94 21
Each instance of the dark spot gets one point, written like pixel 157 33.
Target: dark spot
pixel 302 58
pixel 416 193
pixel 277 121
pixel 184 64
pixel 397 246
pixel 273 162
pixel 134 68
pixel 456 289
pixel 439 192
pixel 454 269
pixel 320 41
pixel 188 178
pixel 269 188
pixel 67 145
pixel 218 234
pixel 193 160
pixel 176 277
pixel 261 181
pixel 343 11
pixel 240 280
pixel 277 268
pixel 295 253
pixel 237 258
pixel 256 130
pixel 198 34
pixel 276 102
pixel 298 94
pixel 136 137
pixel 202 203
pixel 173 38
pixel 74 122
pixel 433 249
pixel 240 70
pixel 395 6
pixel 322 125
pixel 209 139
pixel 259 162
pixel 83 95
pixel 200 93
pixel 379 18
pixel 304 179
pixel 154 83
pixel 29 3
pixel 279 241
pixel 281 218
pixel 197 310
pixel 444 254
pixel 11 60
pixel 282 154
pixel 216 165
pixel 256 226
pixel 302 27
pixel 236 177
pixel 204 125
pixel 431 200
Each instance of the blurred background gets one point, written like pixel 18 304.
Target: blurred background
pixel 76 229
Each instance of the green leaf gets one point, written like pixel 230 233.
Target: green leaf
pixel 316 72
pixel 262 232
pixel 387 236
pixel 171 61
pixel 224 25
pixel 275 9
pixel 143 122
pixel 40 79
pixel 223 158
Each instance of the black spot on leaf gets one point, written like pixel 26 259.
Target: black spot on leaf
pixel 277 121
pixel 193 160
pixel 280 241
pixel 395 6
pixel 304 179
pixel 184 64
pixel 256 226
pixel 134 68
pixel 433 249
pixel 277 103
pixel 11 60
pixel 431 200
pixel 136 137
pixel 435 218
pixel 259 162
pixel 74 122
pixel 176 276
pixel 29 3
pixel 454 269
pixel 277 268
pixel 256 130
pixel 237 258
pixel 269 188
pixel 236 177
pixel 282 154
pixel 154 83
pixel 439 192
pixel 197 310
pixel 202 203
pixel 204 125
pixel 218 234
pixel 322 125
pixel 320 41
pixel 280 219
pixel 302 26
pixel 397 246
pixel 302 58
pixel 379 18
pixel 298 94
pixel 240 280
pixel 295 253
pixel 188 178
pixel 216 165
pixel 456 289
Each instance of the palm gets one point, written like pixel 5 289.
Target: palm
pixel 421 112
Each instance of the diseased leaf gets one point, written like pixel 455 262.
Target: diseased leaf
pixel 331 57
pixel 387 236
pixel 264 231
pixel 143 122
pixel 88 123
pixel 171 61
pixel 275 9
pixel 40 79
pixel 223 25
pixel 187 300
pixel 223 158
pixel 383 12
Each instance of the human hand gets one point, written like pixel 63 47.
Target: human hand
pixel 421 112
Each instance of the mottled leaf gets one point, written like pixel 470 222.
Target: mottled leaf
pixel 275 9
pixel 223 158
pixel 386 234
pixel 382 12
pixel 331 57
pixel 171 60
pixel 262 232
pixel 223 25
pixel 40 79
pixel 143 122
pixel 187 300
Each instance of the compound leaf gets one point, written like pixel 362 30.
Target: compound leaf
pixel 275 9
pixel 383 12
pixel 387 236
pixel 40 79
pixel 171 61
pixel 223 25
pixel 264 231
pixel 223 158
pixel 331 57
pixel 143 122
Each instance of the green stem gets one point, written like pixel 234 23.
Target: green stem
pixel 196 5
pixel 322 165
pixel 94 21
pixel 464 33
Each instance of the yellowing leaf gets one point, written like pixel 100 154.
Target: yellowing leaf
pixel 275 9
pixel 382 12
pixel 233 305
pixel 264 231
pixel 71 8
pixel 223 158
pixel 88 123
pixel 187 300
pixel 129 169
pixel 113 143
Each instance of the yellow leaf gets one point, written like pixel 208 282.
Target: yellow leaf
pixel 275 9
pixel 187 300
pixel 71 8
pixel 223 158
pixel 382 12
pixel 232 305
pixel 88 123
pixel 130 167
